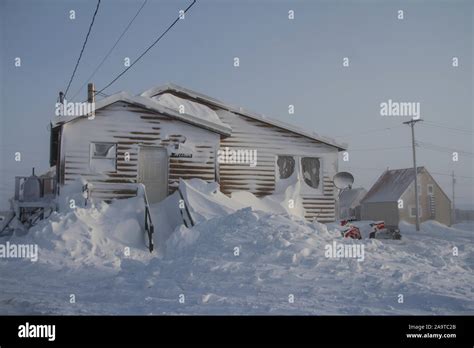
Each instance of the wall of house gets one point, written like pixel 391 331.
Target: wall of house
pixel 436 207
pixel 270 141
pixel 386 211
pixel 130 126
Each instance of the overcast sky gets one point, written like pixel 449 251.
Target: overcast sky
pixel 282 62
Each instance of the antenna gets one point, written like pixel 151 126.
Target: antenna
pixel 343 180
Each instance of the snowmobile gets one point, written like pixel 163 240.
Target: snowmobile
pixel 350 230
pixel 380 231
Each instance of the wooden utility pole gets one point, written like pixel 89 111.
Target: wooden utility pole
pixel 417 215
pixel 90 93
pixel 91 99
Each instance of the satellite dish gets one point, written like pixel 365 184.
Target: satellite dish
pixel 343 180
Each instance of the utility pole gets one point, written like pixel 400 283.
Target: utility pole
pixel 453 213
pixel 417 215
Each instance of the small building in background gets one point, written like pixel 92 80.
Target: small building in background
pixel 392 198
pixel 349 203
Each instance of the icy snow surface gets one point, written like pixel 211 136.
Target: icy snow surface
pixel 81 252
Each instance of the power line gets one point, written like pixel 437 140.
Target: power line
pixel 360 168
pixel 436 147
pixel 429 124
pixel 457 176
pixel 446 126
pixel 380 148
pixel 149 47
pixel 383 169
pixel 368 131
pixel 437 125
pixel 111 49
pixel 468 154
pixel 82 50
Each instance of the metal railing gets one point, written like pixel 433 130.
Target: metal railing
pixel 140 189
pixel 7 223
pixel 186 209
pixel 87 190
pixel 149 227
pixel 148 223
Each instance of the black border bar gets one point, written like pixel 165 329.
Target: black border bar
pixel 289 330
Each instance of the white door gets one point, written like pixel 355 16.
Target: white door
pixel 153 172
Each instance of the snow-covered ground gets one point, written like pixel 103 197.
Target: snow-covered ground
pixel 236 260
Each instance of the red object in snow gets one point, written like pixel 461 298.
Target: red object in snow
pixel 379 225
pixel 352 232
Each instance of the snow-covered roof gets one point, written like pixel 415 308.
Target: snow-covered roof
pixel 189 107
pixel 196 119
pixel 391 185
pixel 351 198
pixel 241 111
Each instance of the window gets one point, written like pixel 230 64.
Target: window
pixel 413 211
pixel 286 166
pixel 430 189
pixel 103 157
pixel 310 168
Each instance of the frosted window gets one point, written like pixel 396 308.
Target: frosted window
pixel 103 157
pixel 286 166
pixel 310 168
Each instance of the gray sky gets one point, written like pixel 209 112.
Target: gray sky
pixel 282 62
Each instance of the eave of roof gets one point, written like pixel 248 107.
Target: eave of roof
pixel 149 104
pixel 241 111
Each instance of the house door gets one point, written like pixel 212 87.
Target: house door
pixel 153 172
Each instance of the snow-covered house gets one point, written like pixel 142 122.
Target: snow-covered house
pixel 392 198
pixel 171 132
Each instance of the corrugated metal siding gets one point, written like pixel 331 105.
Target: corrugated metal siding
pixel 129 127
pixel 270 141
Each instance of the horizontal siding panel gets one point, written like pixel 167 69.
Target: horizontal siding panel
pixel 129 127
pixel 270 141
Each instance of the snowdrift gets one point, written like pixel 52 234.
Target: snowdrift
pixel 94 236
pixel 205 202
pixel 243 256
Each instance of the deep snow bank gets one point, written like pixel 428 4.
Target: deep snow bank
pixel 252 261
pixel 236 260
pixel 96 235
pixel 205 202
